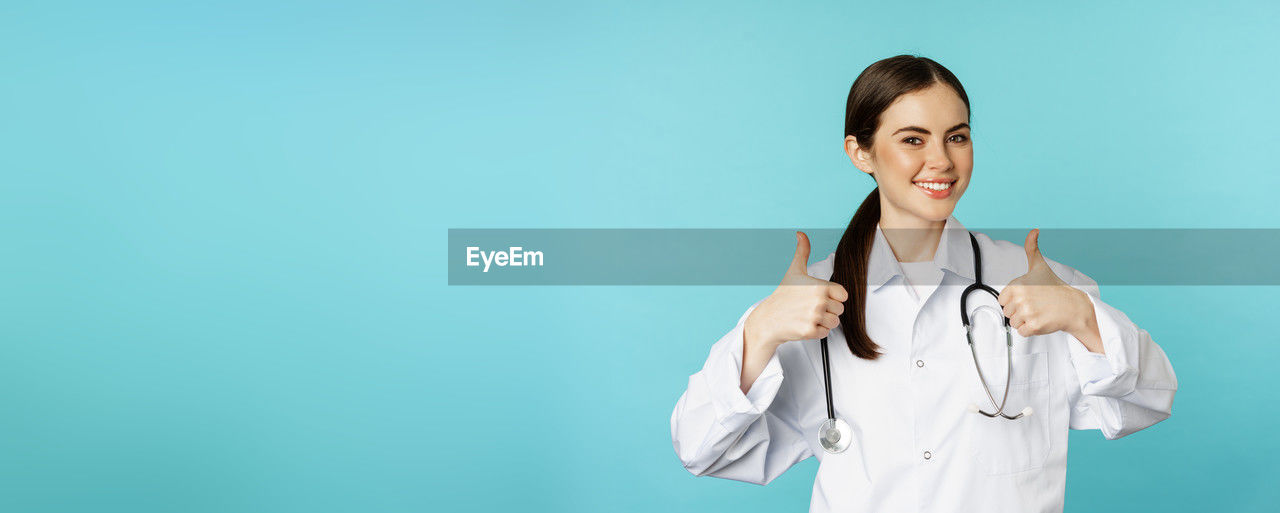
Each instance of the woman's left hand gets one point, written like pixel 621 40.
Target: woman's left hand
pixel 1039 303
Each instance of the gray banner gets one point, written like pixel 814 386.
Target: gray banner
pixel 760 256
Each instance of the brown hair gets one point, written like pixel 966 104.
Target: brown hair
pixel 872 92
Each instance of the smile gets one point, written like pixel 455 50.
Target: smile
pixel 935 189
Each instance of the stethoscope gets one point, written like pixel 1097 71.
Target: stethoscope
pixel 834 434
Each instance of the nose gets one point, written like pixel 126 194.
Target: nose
pixel 937 158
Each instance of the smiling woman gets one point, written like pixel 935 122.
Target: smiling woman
pixel 891 407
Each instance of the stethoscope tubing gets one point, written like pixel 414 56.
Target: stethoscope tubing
pixel 964 318
pixel 826 378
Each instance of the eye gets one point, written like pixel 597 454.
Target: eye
pixel 962 137
pixel 909 139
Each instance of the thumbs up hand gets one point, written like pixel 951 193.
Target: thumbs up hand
pixel 1039 303
pixel 801 308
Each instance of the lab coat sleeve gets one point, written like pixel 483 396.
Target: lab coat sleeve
pixel 1130 387
pixel 719 431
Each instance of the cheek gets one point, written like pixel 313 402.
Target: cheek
pixel 904 165
pixel 966 177
pixel 963 161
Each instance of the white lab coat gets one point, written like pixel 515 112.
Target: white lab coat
pixel 916 447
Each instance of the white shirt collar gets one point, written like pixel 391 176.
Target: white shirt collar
pixel 954 253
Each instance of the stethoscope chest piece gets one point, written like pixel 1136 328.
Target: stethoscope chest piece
pixel 834 435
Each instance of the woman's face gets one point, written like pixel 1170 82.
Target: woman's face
pixel 921 157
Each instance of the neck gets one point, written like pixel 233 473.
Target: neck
pixel 911 238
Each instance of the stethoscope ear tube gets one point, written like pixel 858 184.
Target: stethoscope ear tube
pixel 1008 373
pixel 1008 340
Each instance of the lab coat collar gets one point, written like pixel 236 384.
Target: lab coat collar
pixel 954 253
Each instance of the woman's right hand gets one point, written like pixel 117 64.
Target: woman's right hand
pixel 801 308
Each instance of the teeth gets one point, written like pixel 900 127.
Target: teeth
pixel 934 186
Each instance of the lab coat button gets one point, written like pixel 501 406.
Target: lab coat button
pixel 919 363
pixel 928 455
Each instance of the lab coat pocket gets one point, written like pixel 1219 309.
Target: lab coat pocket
pixel 1003 446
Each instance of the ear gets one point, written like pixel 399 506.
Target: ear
pixel 858 156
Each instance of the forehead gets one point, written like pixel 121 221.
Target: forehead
pixel 938 107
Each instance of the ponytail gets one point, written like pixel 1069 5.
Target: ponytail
pixel 850 271
pixel 875 89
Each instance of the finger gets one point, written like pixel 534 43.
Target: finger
pixel 1016 321
pixel 1032 245
pixel 1016 306
pixel 800 262
pixel 835 307
pixel 838 293
pixel 829 321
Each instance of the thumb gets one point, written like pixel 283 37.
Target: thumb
pixel 800 263
pixel 1032 245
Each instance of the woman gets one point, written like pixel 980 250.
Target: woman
pixel 902 375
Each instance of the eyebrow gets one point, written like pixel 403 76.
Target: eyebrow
pixel 926 132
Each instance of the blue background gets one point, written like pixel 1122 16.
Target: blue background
pixel 224 226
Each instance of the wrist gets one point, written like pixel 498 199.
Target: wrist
pixel 1081 322
pixel 756 338
pixel 1085 325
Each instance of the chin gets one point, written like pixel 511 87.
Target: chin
pixel 937 212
